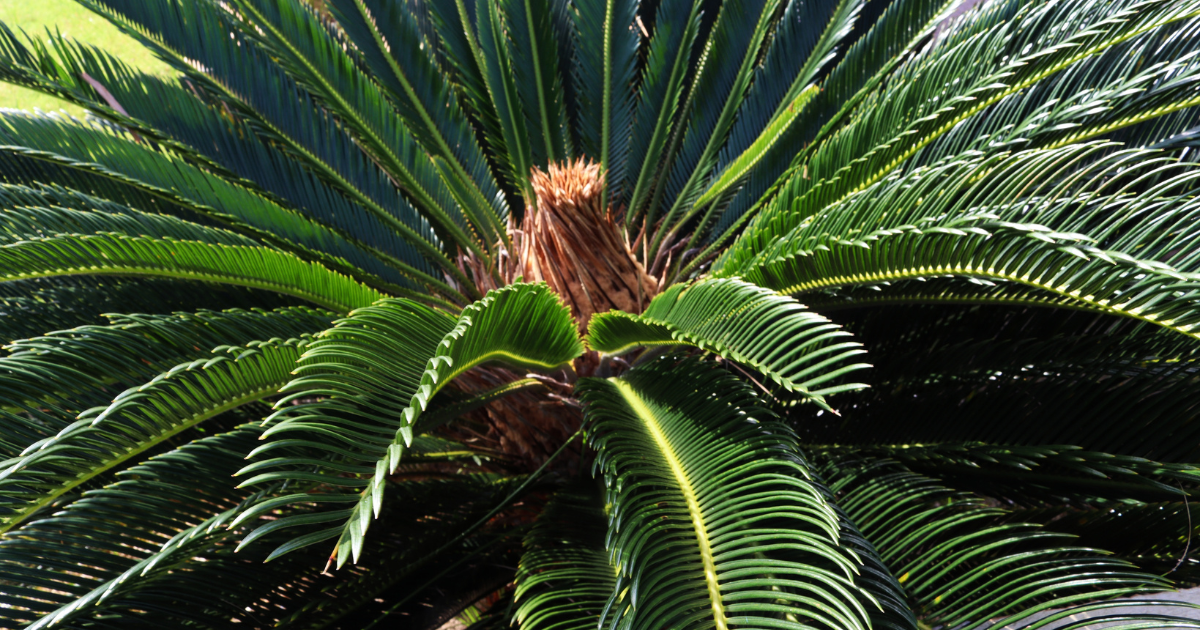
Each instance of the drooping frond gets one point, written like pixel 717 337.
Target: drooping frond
pixel 961 561
pixel 800 351
pixel 715 518
pixel 254 267
pixel 1082 234
pixel 168 494
pixel 53 380
pixel 140 419
pixel 565 580
pixel 32 307
pixel 376 372
pixel 112 164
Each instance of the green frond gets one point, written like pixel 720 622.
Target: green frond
pixel 605 63
pixel 499 76
pixel 726 68
pixel 776 101
pixel 888 40
pixel 989 54
pixel 537 70
pixel 32 307
pixel 376 371
pixel 565 580
pixel 443 409
pixel 255 267
pixel 169 494
pixel 957 557
pixel 454 22
pixel 22 222
pixel 662 86
pixel 1151 535
pixel 388 36
pixel 45 149
pixel 1046 471
pixel 51 381
pixel 715 519
pixel 736 170
pixel 969 217
pixel 141 418
pixel 800 351
pixel 292 32
pixel 244 78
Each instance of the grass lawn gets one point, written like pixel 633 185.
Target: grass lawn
pixel 77 23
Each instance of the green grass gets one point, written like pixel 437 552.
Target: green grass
pixel 75 22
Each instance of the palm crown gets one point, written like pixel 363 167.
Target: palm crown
pixel 490 308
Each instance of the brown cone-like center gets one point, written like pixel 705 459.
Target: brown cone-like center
pixel 570 240
pixel 573 243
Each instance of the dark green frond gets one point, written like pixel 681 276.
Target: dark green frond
pixel 53 380
pixel 499 76
pixel 374 373
pixel 141 418
pixel 32 307
pixel 1044 236
pixel 116 167
pixel 539 78
pixel 715 519
pixel 565 580
pixel 245 78
pixel 960 560
pixel 254 267
pixel 169 494
pixel 604 65
pixel 800 351
pixel 388 35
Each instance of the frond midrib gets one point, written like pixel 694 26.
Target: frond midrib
pixel 646 415
pixel 1089 302
pixel 19 518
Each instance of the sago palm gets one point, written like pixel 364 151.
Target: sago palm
pixel 674 314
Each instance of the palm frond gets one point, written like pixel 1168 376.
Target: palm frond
pixel 716 520
pixel 292 32
pixel 499 76
pixel 376 372
pixel 1039 237
pixel 255 267
pixel 604 65
pixel 141 418
pixel 458 42
pixel 887 41
pixel 388 34
pixel 536 68
pixel 957 558
pixel 32 307
pixel 726 68
pixel 243 77
pixel 907 116
pixel 1019 472
pixel 661 87
pixel 87 367
pixel 776 100
pixel 22 222
pixel 800 351
pixel 116 167
pixel 170 494
pixel 565 580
